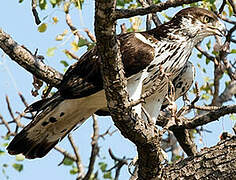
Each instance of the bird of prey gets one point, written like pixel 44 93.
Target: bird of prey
pixel 145 56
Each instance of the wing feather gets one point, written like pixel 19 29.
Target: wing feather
pixel 84 77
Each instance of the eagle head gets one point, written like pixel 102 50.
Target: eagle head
pixel 197 23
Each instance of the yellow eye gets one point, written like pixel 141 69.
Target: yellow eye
pixel 207 19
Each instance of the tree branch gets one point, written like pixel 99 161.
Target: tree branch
pixel 95 149
pixel 207 164
pixel 78 159
pixel 28 61
pixel 65 153
pixel 199 120
pixel 35 13
pixel 139 132
pixel 127 13
pixel 227 94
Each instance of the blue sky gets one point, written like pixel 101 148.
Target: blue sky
pixel 17 20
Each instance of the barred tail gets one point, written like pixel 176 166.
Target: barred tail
pixel 56 119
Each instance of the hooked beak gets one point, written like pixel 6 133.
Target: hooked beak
pixel 220 29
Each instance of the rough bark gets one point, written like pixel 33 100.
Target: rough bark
pixel 27 60
pixel 185 141
pixel 200 119
pixel 136 130
pixel 126 13
pixel 217 162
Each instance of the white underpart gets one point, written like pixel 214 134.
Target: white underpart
pixel 153 103
pixel 135 82
pixel 134 87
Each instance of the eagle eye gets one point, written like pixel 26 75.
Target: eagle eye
pixel 207 19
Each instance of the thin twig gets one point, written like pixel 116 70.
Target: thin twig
pixel 12 115
pixel 226 19
pixel 74 30
pixel 78 159
pixel 232 3
pixel 123 28
pixel 6 124
pixel 35 13
pixel 95 148
pixel 199 120
pixel 192 104
pixel 120 163
pixel 107 132
pixel 90 35
pixel 222 6
pixel 72 55
pixel 217 75
pixel 155 18
pixel 199 48
pixel 24 102
pixel 65 153
pixel 206 108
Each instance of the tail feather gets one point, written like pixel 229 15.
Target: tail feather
pixel 56 119
pixel 44 103
pixel 29 148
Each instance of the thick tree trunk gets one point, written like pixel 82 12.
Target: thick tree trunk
pixel 217 162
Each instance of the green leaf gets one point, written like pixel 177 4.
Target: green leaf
pixel 177 157
pixel 107 175
pixel 64 63
pixel 208 45
pixel 103 166
pixel 212 1
pixel 233 51
pixel 227 83
pixel 2 152
pixel 232 117
pixel 82 42
pixel 59 37
pixel 204 70
pixel 75 46
pixel 205 96
pixel 42 4
pixel 51 51
pixel 199 55
pixel 207 61
pixel 6 137
pixel 42 27
pixel 166 16
pixel 91 45
pixel 206 79
pixel 67 161
pixel 5 144
pixel 74 170
pixel 5 165
pixel 230 9
pixel 20 157
pixel 53 2
pixel 216 53
pixel 18 167
pixel 20 1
